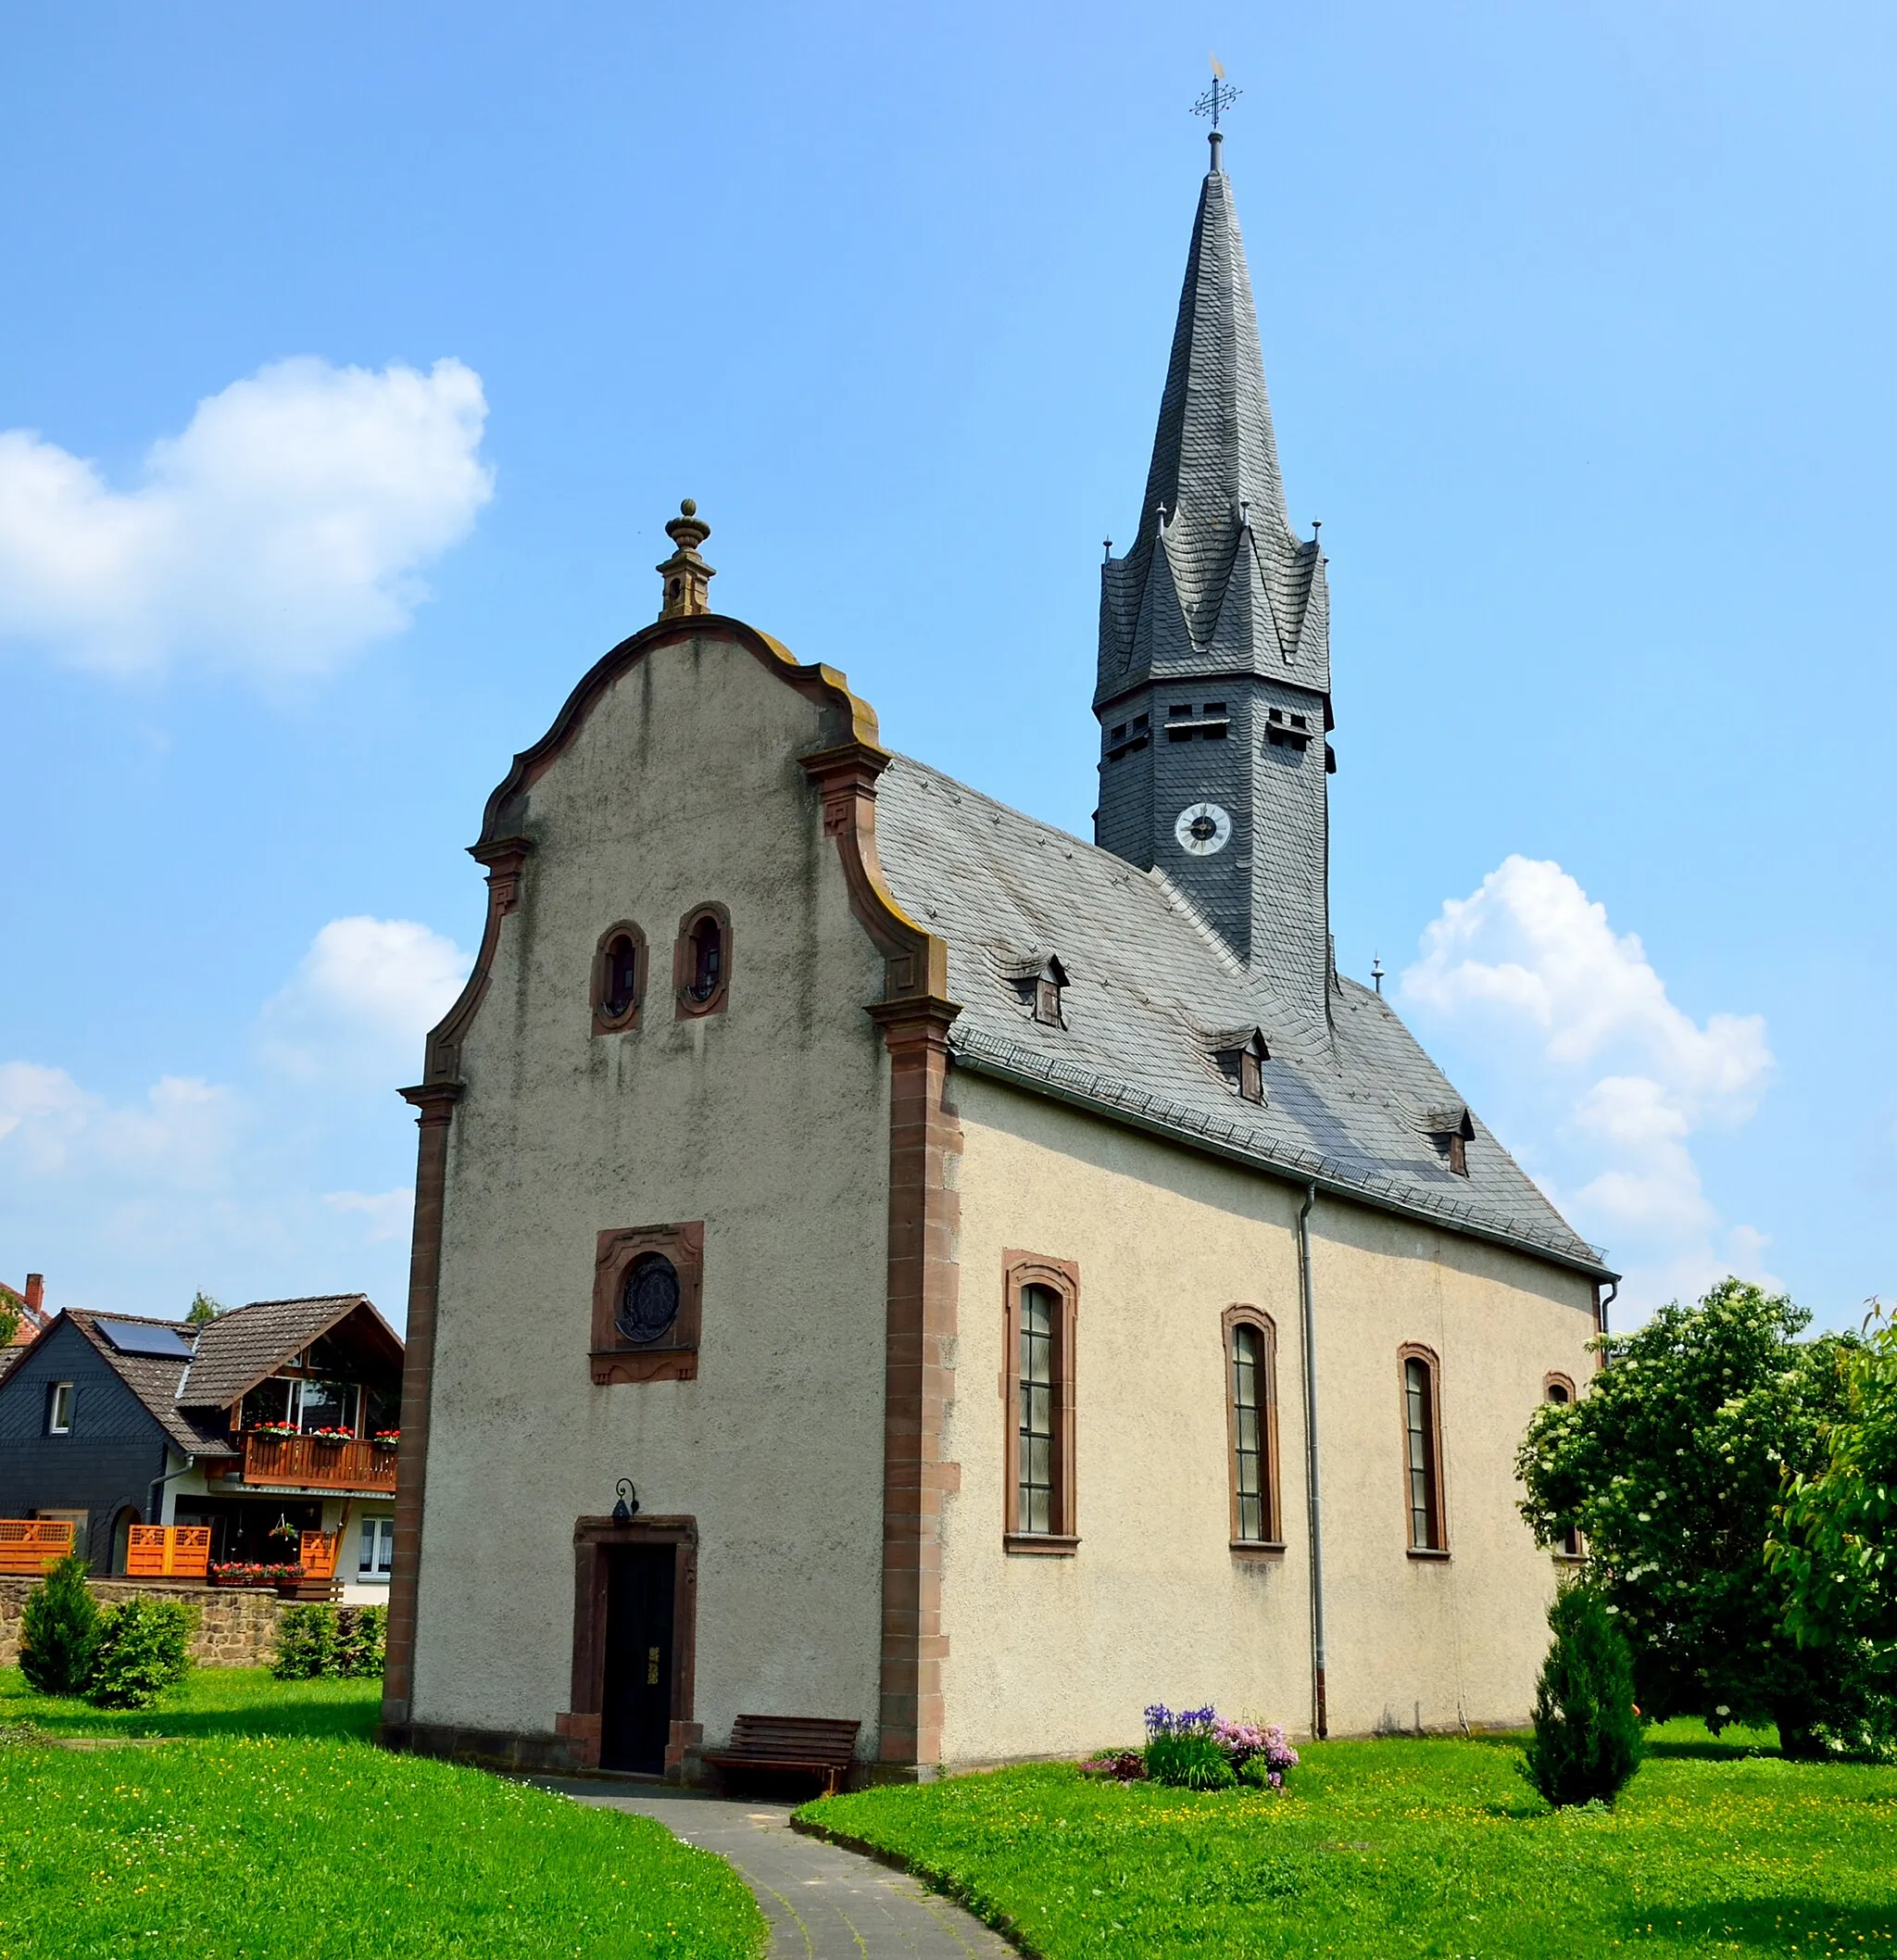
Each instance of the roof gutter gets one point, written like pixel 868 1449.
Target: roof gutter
pixel 1320 1710
pixel 977 1064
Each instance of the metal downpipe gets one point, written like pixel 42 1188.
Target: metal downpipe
pixel 1321 1724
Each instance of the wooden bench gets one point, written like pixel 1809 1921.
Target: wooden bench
pixel 812 1743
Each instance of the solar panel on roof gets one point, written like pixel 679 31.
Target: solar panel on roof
pixel 129 1338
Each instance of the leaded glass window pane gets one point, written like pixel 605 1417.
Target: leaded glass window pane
pixel 1036 1459
pixel 1422 1454
pixel 1248 1430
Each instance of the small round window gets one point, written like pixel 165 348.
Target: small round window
pixel 648 1301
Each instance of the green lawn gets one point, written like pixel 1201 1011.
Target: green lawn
pixel 1415 1847
pixel 268 1829
pixel 212 1702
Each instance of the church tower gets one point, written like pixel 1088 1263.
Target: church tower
pixel 1214 665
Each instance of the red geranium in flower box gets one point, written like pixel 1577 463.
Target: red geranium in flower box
pixel 265 1578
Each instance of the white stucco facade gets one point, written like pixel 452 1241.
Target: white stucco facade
pixel 768 1122
pixel 1048 1655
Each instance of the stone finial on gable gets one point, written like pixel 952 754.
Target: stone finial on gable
pixel 687 576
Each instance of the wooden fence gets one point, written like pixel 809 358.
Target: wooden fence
pixel 169 1552
pixel 33 1545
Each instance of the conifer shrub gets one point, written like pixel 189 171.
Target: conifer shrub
pixel 145 1648
pixel 59 1630
pixel 1588 1740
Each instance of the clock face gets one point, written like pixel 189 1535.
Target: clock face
pixel 1203 829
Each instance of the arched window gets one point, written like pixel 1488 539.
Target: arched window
pixel 701 961
pixel 1041 1297
pixel 1423 1453
pixel 619 978
pixel 1252 1421
pixel 1560 1389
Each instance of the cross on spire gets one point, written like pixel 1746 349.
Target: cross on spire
pixel 1218 98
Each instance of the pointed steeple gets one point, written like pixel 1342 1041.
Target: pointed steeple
pixel 1214 504
pixel 1213 693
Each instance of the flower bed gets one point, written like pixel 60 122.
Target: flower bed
pixel 1200 1749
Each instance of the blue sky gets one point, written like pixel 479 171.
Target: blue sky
pixel 355 357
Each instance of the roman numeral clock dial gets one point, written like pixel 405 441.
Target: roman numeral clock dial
pixel 1203 829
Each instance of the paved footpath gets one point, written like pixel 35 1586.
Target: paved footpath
pixel 822 1902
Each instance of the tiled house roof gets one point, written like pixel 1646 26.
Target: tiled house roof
pixel 1153 993
pixel 238 1348
pixel 154 1378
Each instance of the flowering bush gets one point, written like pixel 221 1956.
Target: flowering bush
pixel 238 1574
pixel 1200 1749
pixel 1126 1765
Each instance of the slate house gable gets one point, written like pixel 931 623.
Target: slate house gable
pixel 113 1456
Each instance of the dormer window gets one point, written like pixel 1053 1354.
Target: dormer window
pixel 1241 1056
pixel 1452 1130
pixel 1048 985
pixel 619 977
pixel 701 961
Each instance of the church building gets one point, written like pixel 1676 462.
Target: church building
pixel 879 1257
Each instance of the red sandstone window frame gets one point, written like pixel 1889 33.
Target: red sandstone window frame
pixel 614 1359
pixel 604 1021
pixel 1437 1509
pixel 1062 1278
pixel 1272 1543
pixel 684 961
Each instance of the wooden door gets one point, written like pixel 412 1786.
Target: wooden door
pixel 635 1704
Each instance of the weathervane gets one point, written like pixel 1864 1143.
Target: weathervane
pixel 1219 97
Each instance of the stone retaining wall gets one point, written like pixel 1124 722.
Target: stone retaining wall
pixel 235 1628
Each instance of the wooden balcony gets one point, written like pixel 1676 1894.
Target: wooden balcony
pixel 307 1463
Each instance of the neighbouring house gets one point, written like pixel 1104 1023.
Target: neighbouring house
pixel 28 1306
pixel 261 1424
pixel 878 1256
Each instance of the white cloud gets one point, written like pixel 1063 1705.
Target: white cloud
pixel 283 531
pixel 249 1189
pixel 390 1215
pixel 365 993
pixel 1596 1067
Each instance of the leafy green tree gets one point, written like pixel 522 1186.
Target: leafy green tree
pixel 1835 1545
pixel 10 1316
pixel 204 1309
pixel 59 1630
pixel 1588 1741
pixel 1671 1465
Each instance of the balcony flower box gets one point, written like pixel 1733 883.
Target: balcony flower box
pixel 272 1429
pixel 387 1439
pixel 331 1435
pixel 256 1578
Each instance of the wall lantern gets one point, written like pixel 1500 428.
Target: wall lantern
pixel 627 1508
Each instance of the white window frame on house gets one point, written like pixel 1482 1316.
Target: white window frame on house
pixel 352 1403
pixel 59 1408
pixel 376 1553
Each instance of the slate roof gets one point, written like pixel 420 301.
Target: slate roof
pixel 238 1348
pixel 1153 991
pixel 154 1378
pixel 1222 574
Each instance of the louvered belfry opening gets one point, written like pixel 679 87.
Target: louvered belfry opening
pixel 1215 661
